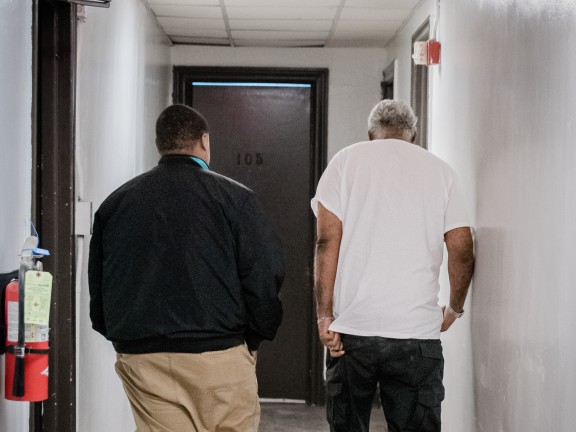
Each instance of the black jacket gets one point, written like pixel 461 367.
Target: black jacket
pixel 183 260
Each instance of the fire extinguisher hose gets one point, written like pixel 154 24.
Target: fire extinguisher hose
pixel 20 348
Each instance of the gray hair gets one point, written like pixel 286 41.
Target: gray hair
pixel 395 116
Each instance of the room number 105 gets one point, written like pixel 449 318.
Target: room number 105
pixel 250 159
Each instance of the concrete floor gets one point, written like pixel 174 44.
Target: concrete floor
pixel 303 418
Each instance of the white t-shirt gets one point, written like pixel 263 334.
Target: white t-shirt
pixel 396 201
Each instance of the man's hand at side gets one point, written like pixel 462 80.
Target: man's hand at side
pixel 329 236
pixel 460 246
pixel 447 321
pixel 330 339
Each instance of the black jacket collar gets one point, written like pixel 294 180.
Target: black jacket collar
pixel 178 159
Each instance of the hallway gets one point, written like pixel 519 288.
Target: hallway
pixel 303 418
pixel 499 108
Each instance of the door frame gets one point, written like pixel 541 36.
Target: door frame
pixel 387 84
pixel 183 76
pixel 53 137
pixel 419 87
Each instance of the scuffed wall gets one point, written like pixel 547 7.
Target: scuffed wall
pixel 502 108
pixel 508 85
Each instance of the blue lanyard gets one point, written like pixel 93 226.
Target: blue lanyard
pixel 200 162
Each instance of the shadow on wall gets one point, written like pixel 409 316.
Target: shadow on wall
pixel 510 361
pixel 487 309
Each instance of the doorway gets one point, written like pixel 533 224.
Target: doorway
pixel 419 89
pixel 387 83
pixel 53 120
pixel 268 131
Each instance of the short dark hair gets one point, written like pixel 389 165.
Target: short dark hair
pixel 179 127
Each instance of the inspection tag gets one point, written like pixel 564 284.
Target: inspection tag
pixel 37 293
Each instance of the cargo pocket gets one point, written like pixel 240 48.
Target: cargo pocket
pixel 335 405
pixel 431 350
pixel 428 411
pixel 333 389
pixel 336 397
pixel 431 393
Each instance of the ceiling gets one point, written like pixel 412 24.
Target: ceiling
pixel 283 23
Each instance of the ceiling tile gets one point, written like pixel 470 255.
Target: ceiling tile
pixel 174 22
pixel 283 23
pixel 278 35
pixel 366 35
pixel 188 11
pixel 281 3
pixel 280 43
pixel 292 25
pixel 184 2
pixel 367 26
pixel 382 4
pixel 355 43
pixel 194 32
pixel 200 41
pixel 281 13
pixel 373 14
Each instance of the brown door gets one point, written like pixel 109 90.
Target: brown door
pixel 260 136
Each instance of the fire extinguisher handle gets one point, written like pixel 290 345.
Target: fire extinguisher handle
pixel 18 384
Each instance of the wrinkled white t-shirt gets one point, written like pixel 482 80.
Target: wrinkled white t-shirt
pixel 396 201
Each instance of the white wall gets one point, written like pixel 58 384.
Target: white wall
pixel 354 79
pixel 503 109
pixel 15 160
pixel 123 85
pixel 518 97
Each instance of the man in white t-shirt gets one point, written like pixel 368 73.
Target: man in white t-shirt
pixel 385 209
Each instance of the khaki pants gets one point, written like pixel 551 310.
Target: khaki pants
pixel 176 392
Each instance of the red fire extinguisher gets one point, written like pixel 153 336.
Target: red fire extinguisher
pixel 26 344
pixel 32 384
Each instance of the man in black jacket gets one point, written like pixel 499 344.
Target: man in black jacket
pixel 184 276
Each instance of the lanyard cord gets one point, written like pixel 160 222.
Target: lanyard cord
pixel 200 162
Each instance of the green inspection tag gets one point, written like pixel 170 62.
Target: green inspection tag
pixel 37 293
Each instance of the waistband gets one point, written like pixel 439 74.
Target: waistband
pixel 181 345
